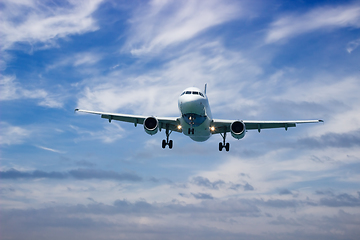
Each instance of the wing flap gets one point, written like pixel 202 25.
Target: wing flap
pixel 267 125
pixel 224 125
pixel 124 118
pixel 164 122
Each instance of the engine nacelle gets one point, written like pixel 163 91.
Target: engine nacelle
pixel 151 125
pixel 237 129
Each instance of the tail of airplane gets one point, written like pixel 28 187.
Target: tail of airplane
pixel 205 88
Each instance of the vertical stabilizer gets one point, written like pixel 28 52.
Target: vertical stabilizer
pixel 205 88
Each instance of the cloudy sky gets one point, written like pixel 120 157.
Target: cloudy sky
pixel 67 175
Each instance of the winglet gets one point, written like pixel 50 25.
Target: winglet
pixel 76 109
pixel 321 120
pixel 205 88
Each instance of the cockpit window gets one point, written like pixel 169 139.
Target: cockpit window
pixel 193 92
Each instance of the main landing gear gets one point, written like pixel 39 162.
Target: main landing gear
pixel 167 141
pixel 223 144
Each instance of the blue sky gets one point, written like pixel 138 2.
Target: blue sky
pixel 75 176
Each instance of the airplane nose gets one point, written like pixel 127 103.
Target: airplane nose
pixel 195 106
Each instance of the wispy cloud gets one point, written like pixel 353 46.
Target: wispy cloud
pixel 12 90
pixel 351 46
pixel 329 17
pixel 12 134
pixel 109 134
pixel 50 149
pixel 81 174
pixel 160 24
pixel 340 94
pixel 77 60
pixel 35 22
pixel 157 90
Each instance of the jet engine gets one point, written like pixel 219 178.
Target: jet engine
pixel 151 125
pixel 237 129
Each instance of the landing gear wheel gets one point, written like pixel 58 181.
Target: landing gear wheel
pixel 224 144
pixel 163 143
pixel 167 142
pixel 227 147
pixel 170 144
pixel 192 131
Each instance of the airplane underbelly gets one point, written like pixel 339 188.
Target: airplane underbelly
pixel 200 138
pixel 201 131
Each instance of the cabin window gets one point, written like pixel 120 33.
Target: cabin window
pixel 182 93
pixel 188 92
pixel 196 93
pixel 201 94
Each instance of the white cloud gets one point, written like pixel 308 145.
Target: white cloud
pixel 82 59
pixel 340 96
pixel 50 149
pixel 34 21
pixel 323 89
pixel 86 58
pixel 155 92
pixel 12 134
pixel 109 134
pixel 277 169
pixel 163 23
pixel 316 19
pixel 12 90
pixel 351 46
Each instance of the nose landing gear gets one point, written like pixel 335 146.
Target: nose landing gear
pixel 223 144
pixel 191 131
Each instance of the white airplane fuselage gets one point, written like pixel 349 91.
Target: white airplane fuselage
pixel 195 114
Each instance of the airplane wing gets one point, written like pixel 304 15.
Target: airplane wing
pixel 222 126
pixel 171 122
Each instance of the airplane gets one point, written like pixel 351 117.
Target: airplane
pixel 196 121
